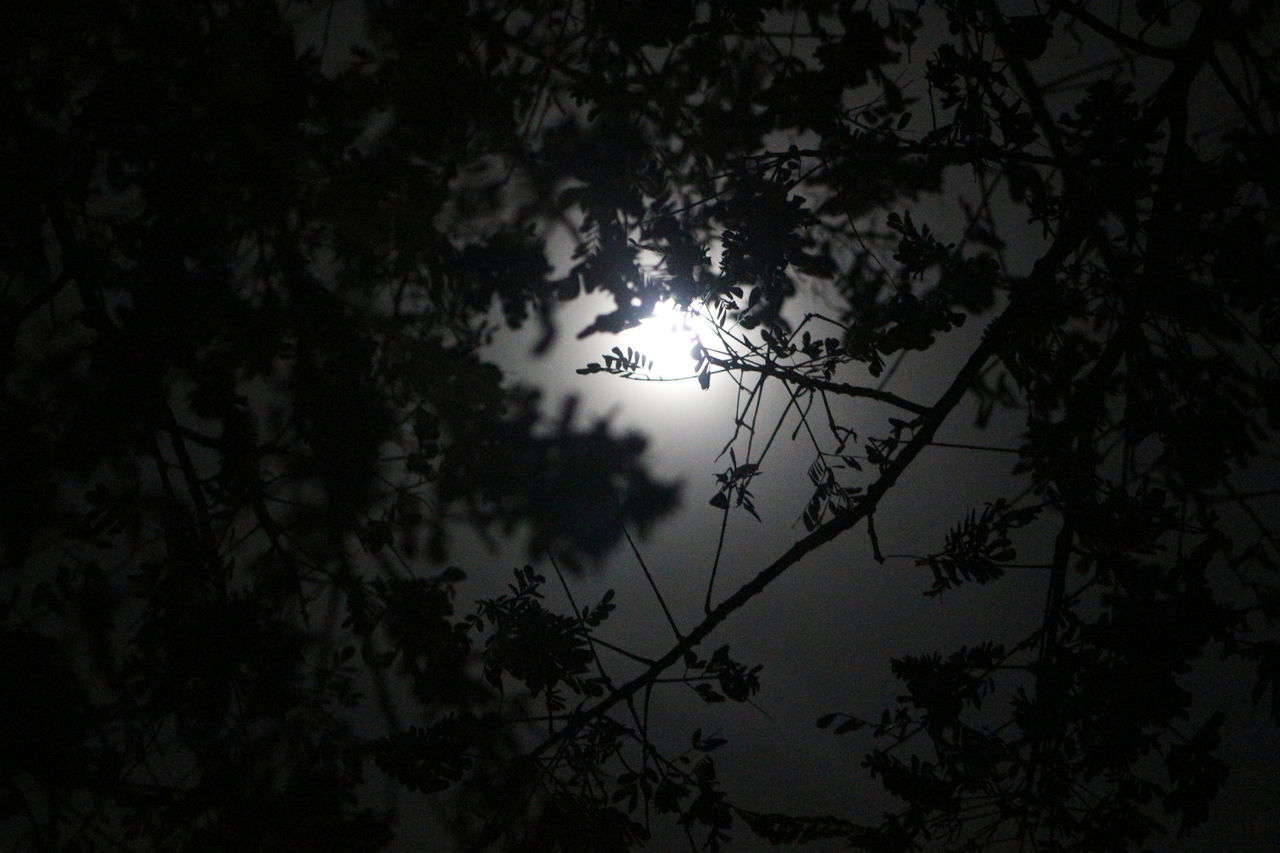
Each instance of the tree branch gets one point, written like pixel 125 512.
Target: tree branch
pixel 814 384
pixel 839 524
pixel 1003 329
pixel 1120 38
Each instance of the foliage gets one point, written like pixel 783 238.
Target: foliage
pixel 253 254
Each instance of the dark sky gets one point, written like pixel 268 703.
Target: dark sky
pixel 826 630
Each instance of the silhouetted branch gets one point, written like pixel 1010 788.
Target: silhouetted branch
pixel 813 383
pixel 830 530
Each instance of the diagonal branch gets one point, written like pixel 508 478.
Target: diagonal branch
pixel 839 524
pixel 1119 37
pixel 999 335
pixel 812 383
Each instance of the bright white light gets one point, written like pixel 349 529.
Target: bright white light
pixel 666 339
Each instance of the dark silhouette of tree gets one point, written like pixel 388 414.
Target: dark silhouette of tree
pixel 253 253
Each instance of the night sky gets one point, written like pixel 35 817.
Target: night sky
pixel 825 631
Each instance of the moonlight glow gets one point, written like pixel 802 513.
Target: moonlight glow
pixel 666 338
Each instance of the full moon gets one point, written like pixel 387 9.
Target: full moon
pixel 666 339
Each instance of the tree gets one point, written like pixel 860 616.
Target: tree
pixel 254 252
